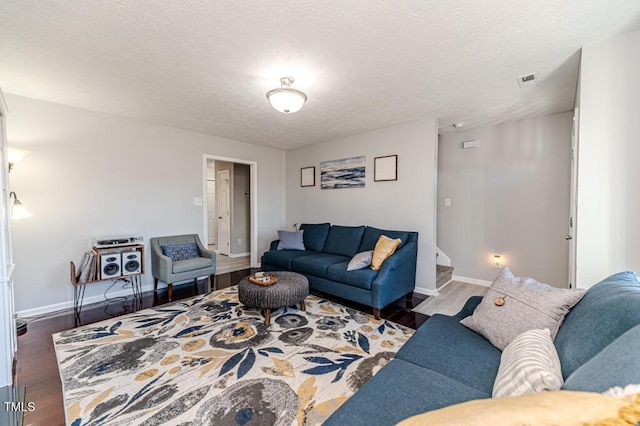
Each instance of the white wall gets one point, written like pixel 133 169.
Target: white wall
pixel 92 174
pixel 608 225
pixel 509 196
pixel 405 204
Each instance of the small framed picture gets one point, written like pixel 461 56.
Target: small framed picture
pixel 385 168
pixel 308 176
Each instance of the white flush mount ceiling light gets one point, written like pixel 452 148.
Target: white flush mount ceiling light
pixel 285 99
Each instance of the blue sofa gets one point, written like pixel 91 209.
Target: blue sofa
pixel 328 250
pixel 445 363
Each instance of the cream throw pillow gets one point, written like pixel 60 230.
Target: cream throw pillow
pixel 529 364
pixel 566 408
pixel 383 249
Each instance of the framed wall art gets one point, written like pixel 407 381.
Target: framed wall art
pixel 385 168
pixel 343 173
pixel 308 176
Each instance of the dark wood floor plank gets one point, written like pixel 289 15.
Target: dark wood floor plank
pixel 37 368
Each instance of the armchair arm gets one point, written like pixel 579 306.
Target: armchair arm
pixel 205 252
pixel 161 263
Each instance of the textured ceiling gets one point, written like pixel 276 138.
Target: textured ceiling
pixel 364 64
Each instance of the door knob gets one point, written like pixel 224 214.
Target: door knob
pixel 568 237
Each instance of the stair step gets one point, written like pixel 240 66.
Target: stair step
pixel 443 275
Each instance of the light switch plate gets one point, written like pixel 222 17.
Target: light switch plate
pixel 197 201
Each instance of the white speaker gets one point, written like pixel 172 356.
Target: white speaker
pixel 131 262
pixel 110 265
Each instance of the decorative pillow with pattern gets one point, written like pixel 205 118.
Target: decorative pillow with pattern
pixel 514 305
pixel 180 251
pixel 529 364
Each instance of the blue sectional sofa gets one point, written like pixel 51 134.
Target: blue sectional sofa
pixel 328 250
pixel 445 363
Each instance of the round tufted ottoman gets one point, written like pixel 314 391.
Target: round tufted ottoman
pixel 290 289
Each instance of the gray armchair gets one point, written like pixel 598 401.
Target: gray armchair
pixel 182 261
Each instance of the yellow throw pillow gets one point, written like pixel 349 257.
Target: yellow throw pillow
pixel 383 249
pixel 567 408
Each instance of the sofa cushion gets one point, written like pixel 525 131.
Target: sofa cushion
pixel 371 235
pixel 529 364
pixel 398 391
pixel 515 305
pixel 442 344
pixel 316 264
pixel 361 278
pixel 180 251
pixel 315 235
pixel 618 364
pixel 609 309
pixel 344 240
pixel 290 240
pixel 283 258
pixel 191 264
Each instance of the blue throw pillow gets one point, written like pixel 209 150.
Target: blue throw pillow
pixel 290 240
pixel 180 251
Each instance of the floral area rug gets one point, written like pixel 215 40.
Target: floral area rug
pixel 211 360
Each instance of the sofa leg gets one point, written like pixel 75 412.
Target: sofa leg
pixel 376 313
pixel 155 284
pixel 170 290
pixel 212 282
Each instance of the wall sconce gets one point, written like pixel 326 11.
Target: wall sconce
pixel 15 156
pixel 497 261
pixel 18 210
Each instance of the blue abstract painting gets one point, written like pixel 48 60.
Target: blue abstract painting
pixel 344 173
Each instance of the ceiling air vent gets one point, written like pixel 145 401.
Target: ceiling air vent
pixel 527 80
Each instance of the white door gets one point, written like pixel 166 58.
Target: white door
pixel 571 236
pixel 212 220
pixel 224 207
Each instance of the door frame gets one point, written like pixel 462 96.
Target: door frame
pixel 223 247
pixel 573 207
pixel 253 198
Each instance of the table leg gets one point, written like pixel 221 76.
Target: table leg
pixel 267 317
pixel 302 307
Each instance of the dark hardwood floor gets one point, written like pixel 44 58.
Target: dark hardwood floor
pixel 37 369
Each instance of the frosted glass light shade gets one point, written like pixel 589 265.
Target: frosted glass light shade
pixel 286 101
pixel 15 155
pixel 19 211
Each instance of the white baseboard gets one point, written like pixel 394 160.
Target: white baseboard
pixel 69 304
pixel 235 255
pixel 476 281
pixel 426 291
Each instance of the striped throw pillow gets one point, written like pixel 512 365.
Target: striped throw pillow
pixel 529 364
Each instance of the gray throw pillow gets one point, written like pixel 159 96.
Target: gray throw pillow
pixel 514 305
pixel 360 260
pixel 290 240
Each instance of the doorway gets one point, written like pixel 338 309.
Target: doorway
pixel 230 224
